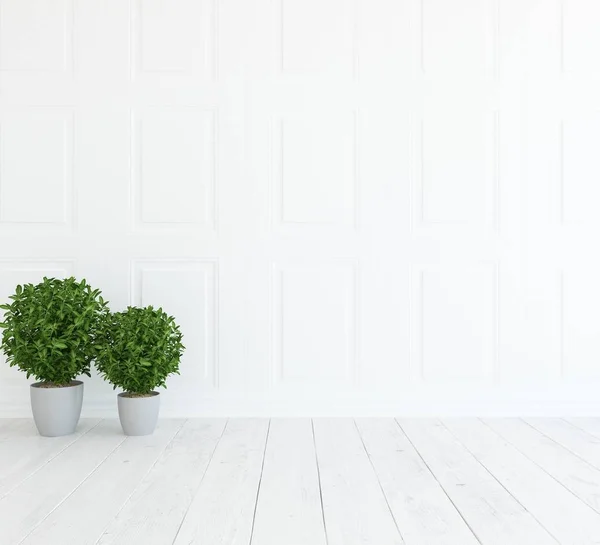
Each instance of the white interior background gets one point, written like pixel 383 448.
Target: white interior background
pixel 351 206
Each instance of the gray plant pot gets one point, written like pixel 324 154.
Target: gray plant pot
pixel 56 411
pixel 138 415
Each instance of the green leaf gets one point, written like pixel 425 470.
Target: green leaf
pixel 45 320
pixel 139 349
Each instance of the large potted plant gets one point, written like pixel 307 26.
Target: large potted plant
pixel 49 332
pixel 138 350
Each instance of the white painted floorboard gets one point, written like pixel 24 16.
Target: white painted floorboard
pixel 577 475
pixel 545 498
pixel 35 498
pixel 495 516
pixel 222 512
pixel 23 451
pixel 289 504
pixel 356 510
pixel 420 505
pixel 590 425
pixel 10 428
pixel 304 482
pixel 154 512
pixel 79 519
pixel 579 442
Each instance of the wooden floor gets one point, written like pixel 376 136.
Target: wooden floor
pixel 303 482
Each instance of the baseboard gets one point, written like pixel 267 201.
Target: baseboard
pixel 576 400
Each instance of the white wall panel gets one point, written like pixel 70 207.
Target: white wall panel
pixel 36 158
pixel 331 48
pixel 542 191
pixel 173 36
pixel 581 168
pixel 174 166
pixel 530 42
pixel 457 167
pixel 315 174
pixel 581 327
pixel 455 322
pixel 581 39
pixel 530 328
pixel 187 290
pixel 36 35
pixel 314 324
pixel 455 37
pixel 351 207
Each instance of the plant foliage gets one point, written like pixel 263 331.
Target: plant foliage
pixel 50 329
pixel 139 349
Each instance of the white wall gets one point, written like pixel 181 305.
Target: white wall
pixel 368 206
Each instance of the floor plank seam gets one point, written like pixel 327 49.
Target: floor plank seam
pixel 73 491
pixel 499 482
pixel 200 483
pixel 379 482
pixel 587 432
pixel 262 468
pixel 539 466
pixel 562 445
pixel 135 488
pixel 50 459
pixel 312 424
pixel 438 482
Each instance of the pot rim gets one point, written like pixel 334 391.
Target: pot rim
pixel 152 394
pixel 74 384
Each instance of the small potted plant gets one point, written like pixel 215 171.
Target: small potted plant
pixel 49 332
pixel 139 349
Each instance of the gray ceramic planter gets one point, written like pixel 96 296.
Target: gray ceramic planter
pixel 138 415
pixel 56 411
